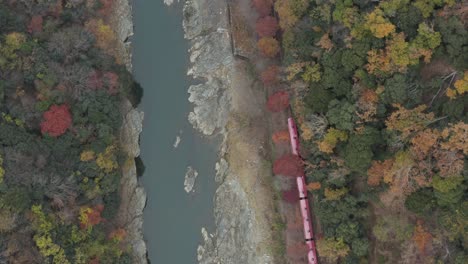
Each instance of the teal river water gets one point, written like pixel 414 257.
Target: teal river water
pixel 173 218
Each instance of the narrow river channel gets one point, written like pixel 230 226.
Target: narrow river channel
pixel 173 218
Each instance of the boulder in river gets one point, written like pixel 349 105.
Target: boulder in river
pixel 177 142
pixel 190 177
pixel 168 2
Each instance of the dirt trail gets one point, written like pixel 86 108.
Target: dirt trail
pixel 249 154
pixel 251 150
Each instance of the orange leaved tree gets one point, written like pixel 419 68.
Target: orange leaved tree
pixel 268 47
pixel 270 75
pixel 280 136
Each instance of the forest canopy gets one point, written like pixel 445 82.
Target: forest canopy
pixel 380 96
pixel 62 82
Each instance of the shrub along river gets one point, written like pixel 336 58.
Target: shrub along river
pixel 173 219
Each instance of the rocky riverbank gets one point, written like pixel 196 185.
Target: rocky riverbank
pixel 225 104
pixel 133 196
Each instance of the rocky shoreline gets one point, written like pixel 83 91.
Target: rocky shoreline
pixel 242 217
pixel 133 195
pixel 242 229
pixel 206 27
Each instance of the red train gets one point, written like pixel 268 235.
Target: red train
pixel 303 199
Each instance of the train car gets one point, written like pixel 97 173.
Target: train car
pixel 307 220
pixel 303 199
pixel 293 136
pixel 311 255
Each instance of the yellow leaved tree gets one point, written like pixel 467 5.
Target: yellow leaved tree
pixel 378 25
pixel 107 161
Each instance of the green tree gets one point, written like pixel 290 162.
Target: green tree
pixel 352 59
pixel 393 7
pixel 448 191
pixel 392 228
pixel 360 247
pixel 341 114
pixel 454 222
pixel 358 152
pixel 427 37
pixel 427 6
pixel 396 89
pixel 454 41
pixel 16 198
pixel 407 20
pixel 421 202
pixel 332 249
pixel 318 98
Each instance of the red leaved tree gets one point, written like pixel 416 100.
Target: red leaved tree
pixel 106 7
pixel 94 80
pixel 56 120
pixel 288 165
pixel 56 9
pixel 263 7
pixel 91 216
pixel 108 80
pixel 36 24
pixel 291 196
pixel 297 251
pixel 270 75
pixel 267 26
pixel 111 81
pixel 278 101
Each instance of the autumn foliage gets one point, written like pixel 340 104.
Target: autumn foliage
pixel 423 142
pixel 56 120
pixel 268 47
pixel 421 237
pixel 106 7
pixel 118 234
pixel 280 136
pixel 288 165
pixel 291 196
pixel 270 75
pixel 263 7
pixel 313 186
pixel 378 25
pixel 111 82
pixel 460 87
pixel 36 24
pixel 91 216
pixel 106 39
pixel 107 80
pixel 376 172
pixel 297 251
pixel 278 101
pixel 267 26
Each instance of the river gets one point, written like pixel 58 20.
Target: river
pixel 172 219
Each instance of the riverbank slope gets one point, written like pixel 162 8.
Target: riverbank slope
pixel 133 196
pixel 230 103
